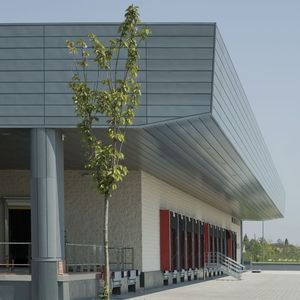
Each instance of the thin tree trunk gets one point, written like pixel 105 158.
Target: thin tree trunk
pixel 106 288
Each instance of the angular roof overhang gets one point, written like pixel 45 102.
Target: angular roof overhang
pixel 194 155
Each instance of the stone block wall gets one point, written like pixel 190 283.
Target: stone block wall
pixel 84 207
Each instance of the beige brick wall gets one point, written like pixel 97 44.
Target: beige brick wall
pixel 83 208
pixel 157 195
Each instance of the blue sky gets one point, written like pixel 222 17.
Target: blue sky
pixel 263 39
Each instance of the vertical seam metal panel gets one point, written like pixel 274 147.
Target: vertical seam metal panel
pixel 146 67
pixel 44 76
pixel 45 131
pixel 252 137
pixel 36 189
pixel 213 69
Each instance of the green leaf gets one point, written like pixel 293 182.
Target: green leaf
pixel 116 98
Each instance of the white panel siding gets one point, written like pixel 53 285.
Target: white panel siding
pixel 157 195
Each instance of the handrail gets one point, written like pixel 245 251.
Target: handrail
pixel 230 259
pixel 219 261
pixel 79 257
pixel 97 246
pixel 217 255
pixel 15 243
pixel 8 260
pixel 90 257
pixel 217 258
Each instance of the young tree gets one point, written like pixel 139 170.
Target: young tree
pixel 115 97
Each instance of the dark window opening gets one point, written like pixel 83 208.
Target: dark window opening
pixel 189 250
pixel 196 249
pixel 182 250
pixel 19 232
pixel 202 250
pixel 174 249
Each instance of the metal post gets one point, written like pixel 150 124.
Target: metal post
pixel 132 258
pixel 65 251
pixel 263 241
pixel 242 243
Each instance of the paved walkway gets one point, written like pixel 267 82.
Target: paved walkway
pixel 267 285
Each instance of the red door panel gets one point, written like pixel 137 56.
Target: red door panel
pixel 165 240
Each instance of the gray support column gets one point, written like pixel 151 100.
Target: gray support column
pixel 47 211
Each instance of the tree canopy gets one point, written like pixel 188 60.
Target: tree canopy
pixel 257 250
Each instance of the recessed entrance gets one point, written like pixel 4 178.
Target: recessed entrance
pixel 19 232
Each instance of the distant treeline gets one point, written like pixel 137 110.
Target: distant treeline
pixel 259 250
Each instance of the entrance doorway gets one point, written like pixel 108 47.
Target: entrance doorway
pixel 19 232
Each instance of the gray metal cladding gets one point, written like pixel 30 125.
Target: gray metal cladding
pixel 35 69
pixel 20 30
pixel 21 76
pixel 233 115
pixel 194 127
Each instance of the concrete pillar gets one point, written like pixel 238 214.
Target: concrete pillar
pixel 47 211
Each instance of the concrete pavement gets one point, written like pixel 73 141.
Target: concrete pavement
pixel 267 285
